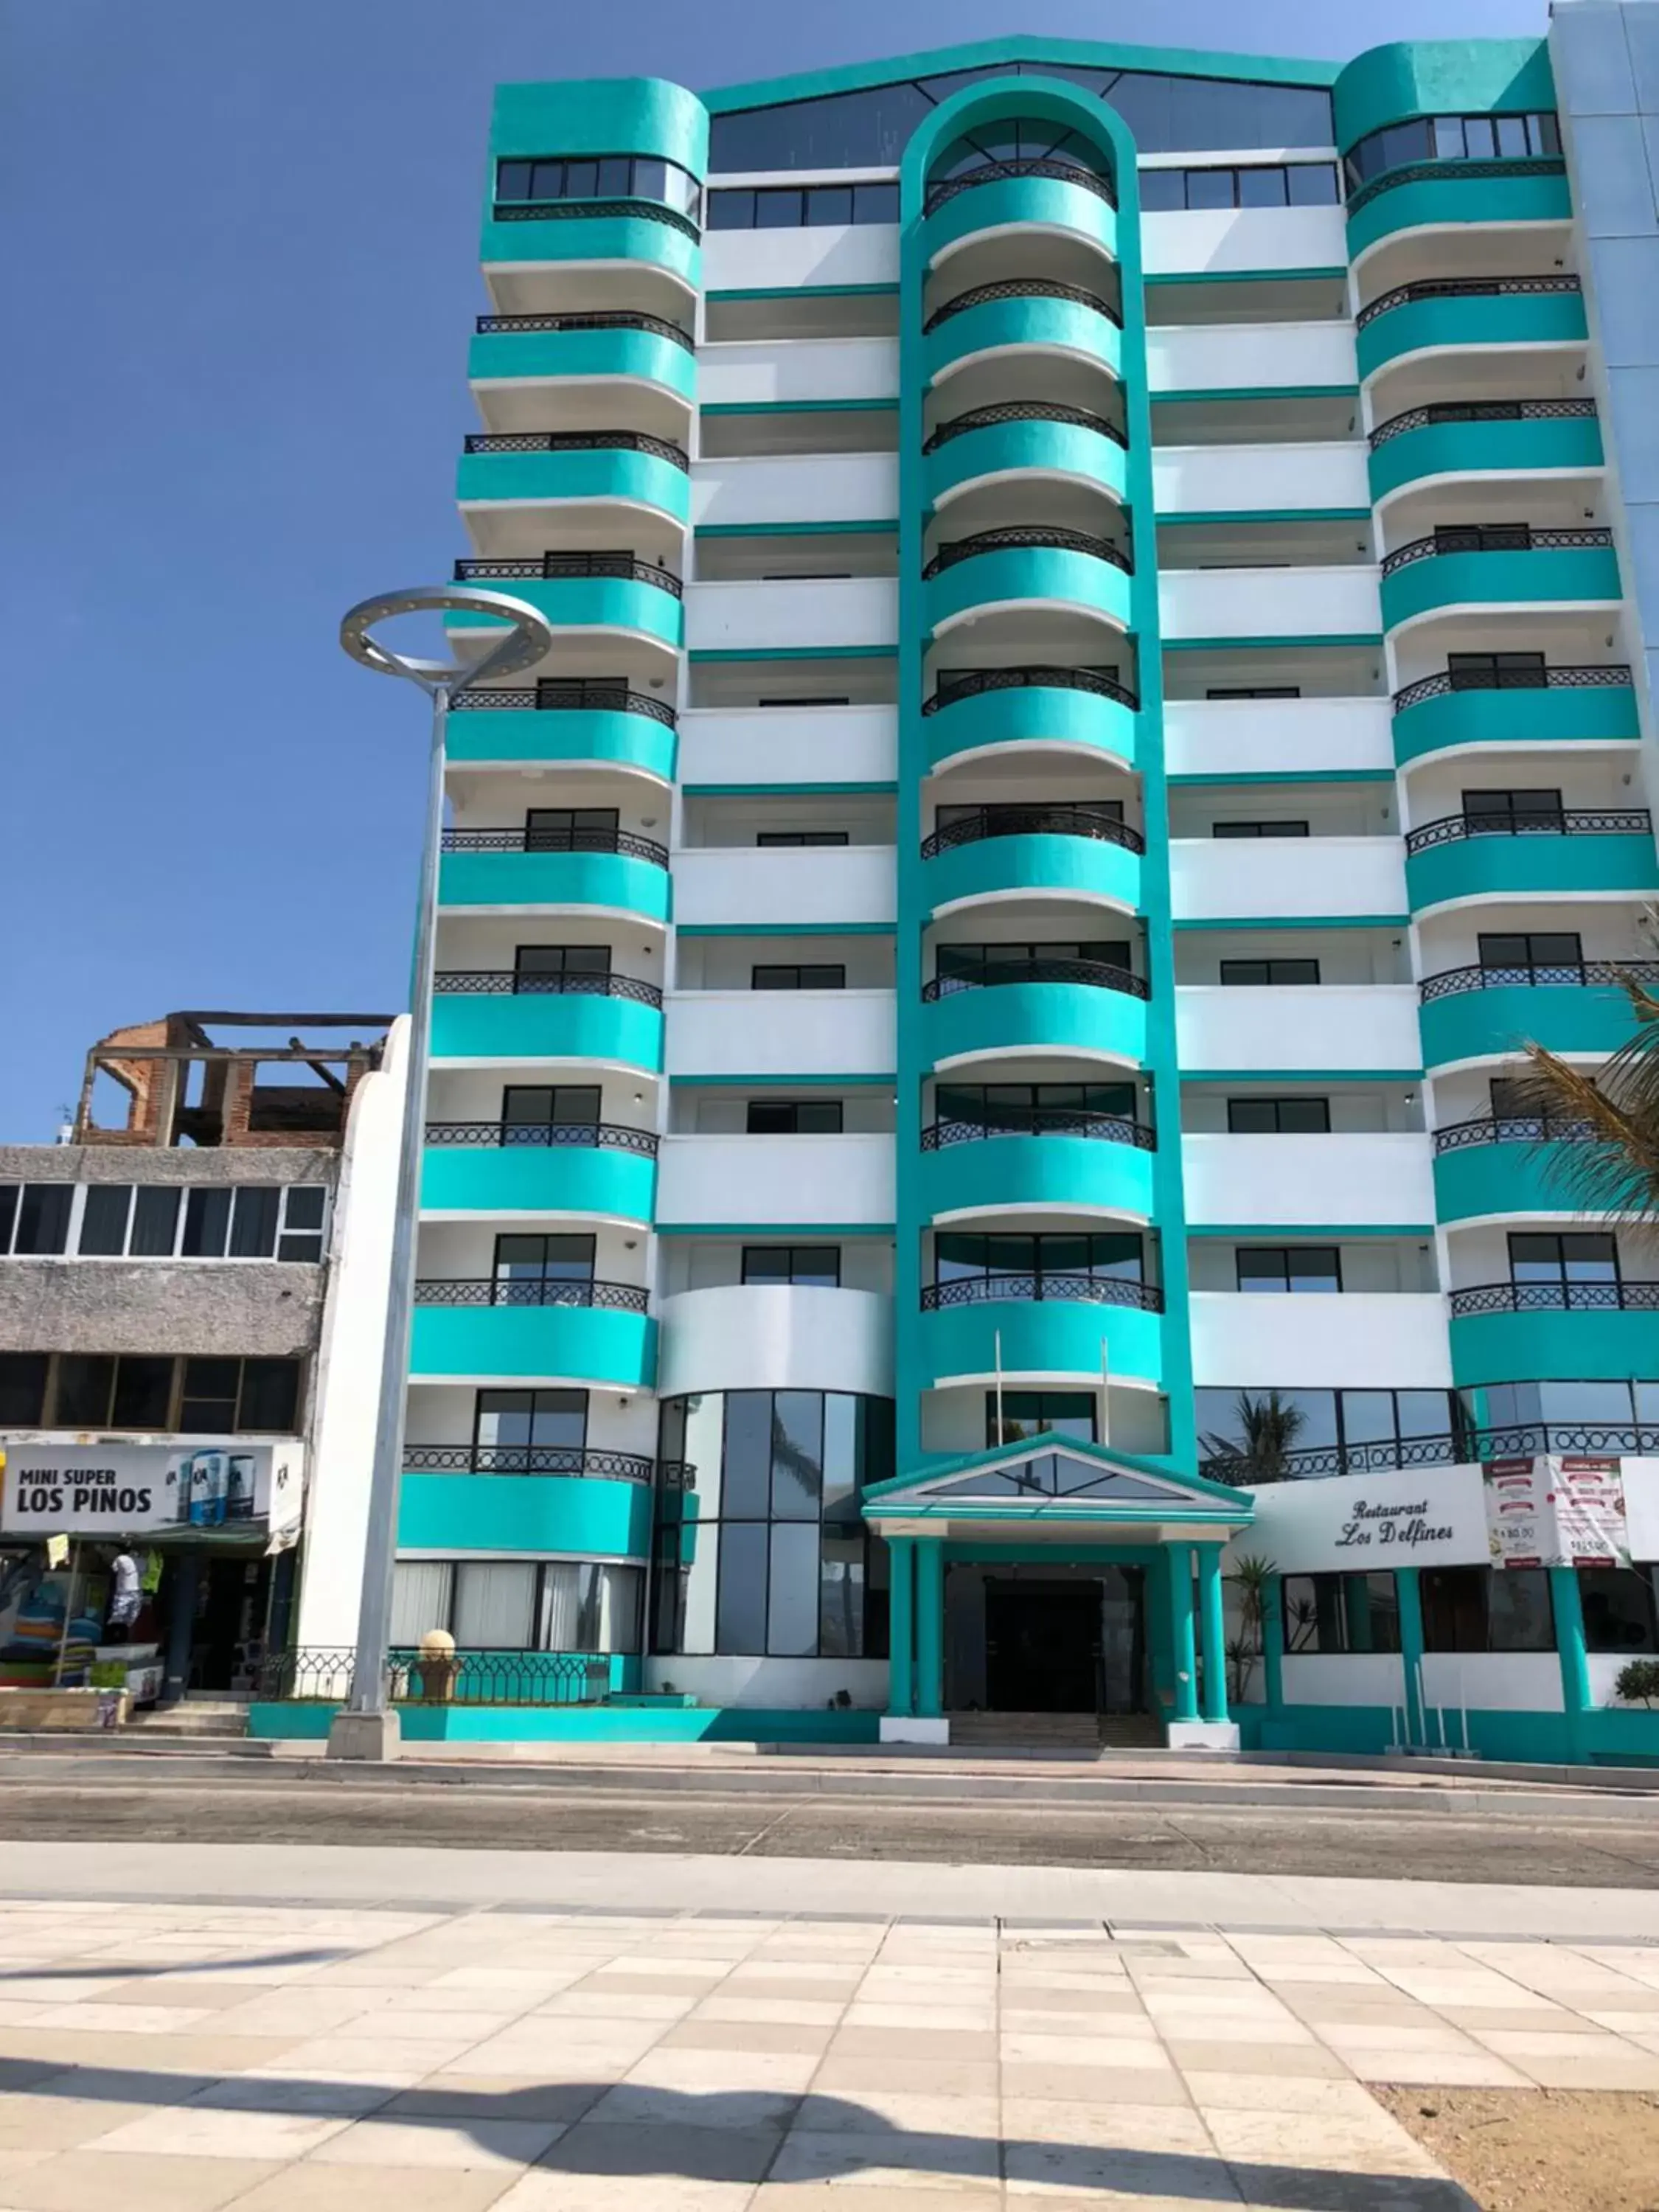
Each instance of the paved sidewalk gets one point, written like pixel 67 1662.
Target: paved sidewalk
pixel 303 2058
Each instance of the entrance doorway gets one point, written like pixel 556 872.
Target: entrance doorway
pixel 1071 1646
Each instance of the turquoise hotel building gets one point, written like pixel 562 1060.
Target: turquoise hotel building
pixel 975 1189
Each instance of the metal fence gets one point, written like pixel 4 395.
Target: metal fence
pixel 458 1678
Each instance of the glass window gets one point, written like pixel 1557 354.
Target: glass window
pixel 1289 1267
pixel 796 1455
pixel 1031 1413
pixel 269 1396
pixel 43 1214
pixel 841 1596
pixel 513 180
pixel 104 1213
pixel 1163 191
pixel 732 210
pixel 794 1117
pixel 253 1221
pixel 207 1223
pixel 155 1221
pixel 1312 183
pixel 875 203
pixel 301 1237
pixel 86 1384
pixel 813 1264
pixel 495 1605
pixel 23 1388
pixel 1618 1608
pixel 777 209
pixel 9 1195
pixel 1279 829
pixel 1279 1117
pixel 792 1613
pixel 1274 973
pixel 811 976
pixel 210 1391
pixel 1211 188
pixel 827 204
pixel 421 1599
pixel 1263 187
pixel 143 1392
pixel 1487 1609
pixel 1336 1612
pixel 740 1620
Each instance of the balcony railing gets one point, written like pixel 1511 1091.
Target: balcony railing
pixel 1042 1121
pixel 562 568
pixel 557 841
pixel 1577 822
pixel 461 1678
pixel 1555 1297
pixel 977 682
pixel 1022 287
pixel 577 442
pixel 1094 975
pixel 531 1290
pixel 1481 411
pixel 994 172
pixel 1033 820
pixel 569 695
pixel 1024 410
pixel 526 1459
pixel 1512 1129
pixel 1019 536
pixel 607 1136
pixel 529 983
pixel 1523 1441
pixel 1593 975
pixel 614 319
pixel 1418 172
pixel 1024 1290
pixel 1609 676
pixel 1493 538
pixel 567 210
pixel 1462 287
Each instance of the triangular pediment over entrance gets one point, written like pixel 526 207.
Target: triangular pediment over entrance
pixel 1052 1480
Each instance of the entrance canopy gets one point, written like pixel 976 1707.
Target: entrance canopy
pixel 1054 1488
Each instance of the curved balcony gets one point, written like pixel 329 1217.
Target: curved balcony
pixel 1445 195
pixel 1035 1159
pixel 561 720
pixel 1075 851
pixel 584 591
pixel 1053 1326
pixel 1554 706
pixel 520 869
pixel 988 710
pixel 1466 856
pixel 597 1168
pixel 587 349
pixel 1483 437
pixel 536 468
pixel 453 1501
pixel 1024 565
pixel 1080 1008
pixel 1502 566
pixel 1503 1166
pixel 1484 1013
pixel 1538 1332
pixel 497 1015
pixel 1442 313
pixel 592 1332
pixel 1041 312
pixel 777 1336
pixel 1025 438
pixel 1031 193
pixel 518 234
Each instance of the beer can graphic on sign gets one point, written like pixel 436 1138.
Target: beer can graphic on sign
pixel 238 1493
pixel 210 1475
pixel 181 1479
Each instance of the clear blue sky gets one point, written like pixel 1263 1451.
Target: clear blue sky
pixel 240 245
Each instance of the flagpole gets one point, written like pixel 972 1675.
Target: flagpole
pixel 1002 1433
pixel 1105 1397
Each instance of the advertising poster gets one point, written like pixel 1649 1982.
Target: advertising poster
pixel 1556 1511
pixel 114 1490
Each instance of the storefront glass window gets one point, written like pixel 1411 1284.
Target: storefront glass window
pixel 1326 1613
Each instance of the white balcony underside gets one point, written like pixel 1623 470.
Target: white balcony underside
pixel 775 1336
pixel 743 886
pixel 1283 879
pixel 1231 241
pixel 1365 1181
pixel 794 488
pixel 1277 737
pixel 807 745
pixel 1261 479
pixel 1269 603
pixel 781 1033
pixel 818 254
pixel 797 372
pixel 791 616
pixel 1321 1340
pixel 1250 356
pixel 793 1182
pixel 1329 1027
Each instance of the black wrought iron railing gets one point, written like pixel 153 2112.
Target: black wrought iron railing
pixel 531 983
pixel 1021 537
pixel 1511 1129
pixel 1608 676
pixel 1041 1121
pixel 614 319
pixel 1555 1297
pixel 1025 1289
pixel 1405 1454
pixel 1575 821
pixel 1037 165
pixel 1024 410
pixel 507 1136
pixel 567 210
pixel 1462 287
pixel 531 1290
pixel 577 442
pixel 526 1459
pixel 1021 288
pixel 1493 538
pixel 459 1678
pixel 1419 172
pixel 575 840
pixel 568 696
pixel 1033 820
pixel 1480 411
pixel 974 682
pixel 1547 974
pixel 565 567
pixel 1094 974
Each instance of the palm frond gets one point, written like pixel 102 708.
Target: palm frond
pixel 1611 1166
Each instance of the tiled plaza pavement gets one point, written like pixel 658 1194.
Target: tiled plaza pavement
pixel 297 2059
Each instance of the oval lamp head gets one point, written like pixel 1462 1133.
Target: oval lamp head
pixel 528 639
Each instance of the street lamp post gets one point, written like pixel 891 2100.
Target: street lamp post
pixel 368 1728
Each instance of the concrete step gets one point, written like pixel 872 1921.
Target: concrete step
pixel 195 1717
pixel 1027 1731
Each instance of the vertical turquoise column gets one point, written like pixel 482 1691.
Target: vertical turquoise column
pixel 1215 1632
pixel 901 1631
pixel 1574 1653
pixel 1356 1611
pixel 930 1627
pixel 1178 1560
pixel 1272 1642
pixel 1409 1594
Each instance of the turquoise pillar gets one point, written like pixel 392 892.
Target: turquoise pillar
pixel 1273 1641
pixel 1574 1654
pixel 1184 1649
pixel 900 1631
pixel 930 1627
pixel 1215 1632
pixel 1357 1609
pixel 1410 1595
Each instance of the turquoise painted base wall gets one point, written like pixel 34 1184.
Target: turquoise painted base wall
pixel 615 881
pixel 545 1025
pixel 516 1179
pixel 1572 576
pixel 1598 714
pixel 617 740
pixel 512 356
pixel 454 1513
pixel 530 1344
pixel 1461 449
pixel 309 1724
pixel 1516 867
pixel 1606 1737
pixel 1524 1348
pixel 1078 722
pixel 1441 202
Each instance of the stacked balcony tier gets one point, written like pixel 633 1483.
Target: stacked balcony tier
pixel 1031 194
pixel 1501 567
pixel 1577 1007
pixel 1582 850
pixel 1071 709
pixel 1554 706
pixel 1450 314
pixel 1484 437
pixel 1444 195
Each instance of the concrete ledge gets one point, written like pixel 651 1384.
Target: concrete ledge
pixel 1202 1735
pixel 904 1727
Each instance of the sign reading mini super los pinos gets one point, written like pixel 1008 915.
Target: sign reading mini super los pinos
pixel 112 1489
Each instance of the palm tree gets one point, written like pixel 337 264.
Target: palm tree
pixel 1612 1166
pixel 1268 1427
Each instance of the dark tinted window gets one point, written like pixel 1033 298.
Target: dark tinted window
pixel 43 1212
pixel 86 1381
pixel 1276 1117
pixel 143 1392
pixel 794 1117
pixel 1487 1609
pixel 269 1396
pixel 104 1218
pixel 817 1265
pixel 1275 972
pixel 22 1389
